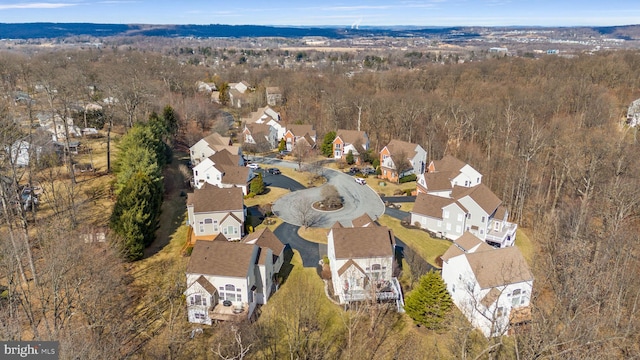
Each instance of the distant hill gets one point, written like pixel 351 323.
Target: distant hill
pixel 63 30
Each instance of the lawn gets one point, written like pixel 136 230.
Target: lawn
pixel 420 241
pixel 269 197
pixel 389 188
pixel 316 235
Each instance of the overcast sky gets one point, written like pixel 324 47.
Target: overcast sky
pixel 327 12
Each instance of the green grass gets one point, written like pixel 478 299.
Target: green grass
pixel 423 244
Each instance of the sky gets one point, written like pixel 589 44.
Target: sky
pixel 327 12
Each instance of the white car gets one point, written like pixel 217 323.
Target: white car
pixel 253 166
pixel 361 181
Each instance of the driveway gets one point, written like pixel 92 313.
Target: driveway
pixel 399 199
pixel 279 181
pixel 357 200
pixel 309 251
pixel 395 213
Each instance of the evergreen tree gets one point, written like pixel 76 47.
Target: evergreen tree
pixel 257 185
pixel 282 145
pixel 350 159
pixel 327 144
pixel 429 302
pixel 224 93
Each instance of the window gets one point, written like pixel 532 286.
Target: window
pixel 199 316
pixel 469 216
pixel 338 153
pixel 196 172
pixel 460 217
pixel 230 292
pixel 458 229
pixel 197 299
pixel 337 146
pixel 208 177
pixel 453 288
pixel 482 220
pixel 439 223
pixel 448 226
pixel 215 225
pixel 208 221
pixel 445 214
pixel 193 152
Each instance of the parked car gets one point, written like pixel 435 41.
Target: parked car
pixel 274 171
pixel 368 171
pixel 253 166
pixel 361 181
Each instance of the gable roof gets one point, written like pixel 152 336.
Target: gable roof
pixel 430 205
pixel 351 136
pixel 490 298
pixel 210 198
pixel 438 181
pixel 350 243
pixel 396 147
pixel 349 264
pixel 336 225
pixel 449 163
pixel 234 175
pixel 257 130
pixel 363 220
pixel 481 194
pixel 206 285
pixel 214 140
pixel 451 252
pixel 301 130
pixel 467 241
pixel 225 157
pixel 220 258
pixel 499 267
pixel 265 238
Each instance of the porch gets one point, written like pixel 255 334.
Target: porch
pixel 504 237
pixel 231 312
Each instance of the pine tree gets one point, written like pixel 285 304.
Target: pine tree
pixel 327 144
pixel 350 159
pixel 282 145
pixel 429 302
pixel 257 185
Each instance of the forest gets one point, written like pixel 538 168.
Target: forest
pixel 548 134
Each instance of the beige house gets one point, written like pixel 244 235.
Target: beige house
pixel 212 210
pixel 350 141
pixel 210 145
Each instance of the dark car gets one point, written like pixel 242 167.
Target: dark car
pixel 274 171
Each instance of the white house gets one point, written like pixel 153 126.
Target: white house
pixel 222 170
pixel 228 280
pixel 210 145
pixel 361 262
pixel 212 210
pixel 475 209
pixel 442 175
pixel 488 285
pixel 21 152
pixel 261 135
pixel 218 272
pixel 413 154
pixel 633 113
pixel 274 95
pixel 55 125
pixel 267 115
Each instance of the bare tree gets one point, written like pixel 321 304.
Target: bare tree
pixel 303 211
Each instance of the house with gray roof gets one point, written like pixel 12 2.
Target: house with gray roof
pixel 488 285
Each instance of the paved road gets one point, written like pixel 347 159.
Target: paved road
pixel 309 251
pixel 280 181
pixel 395 213
pixel 399 199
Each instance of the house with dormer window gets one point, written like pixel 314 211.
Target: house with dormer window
pixel 212 210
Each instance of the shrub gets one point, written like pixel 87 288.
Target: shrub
pixel 408 192
pixel 408 178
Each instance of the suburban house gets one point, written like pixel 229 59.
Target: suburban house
pixel 222 169
pixel 296 132
pixel 21 153
pixel 452 200
pixel 353 141
pixel 362 263
pixel 207 87
pixel 263 136
pixel 210 145
pixel 270 246
pixel 633 113
pixel 267 115
pixel 442 175
pixel 412 156
pixel 492 287
pixel 238 93
pixel 226 281
pixel 274 96
pixel 363 221
pixel 475 209
pixel 55 125
pixel 212 210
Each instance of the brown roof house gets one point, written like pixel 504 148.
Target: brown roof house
pixel 211 144
pixel 262 137
pixel 487 284
pixel 475 209
pixel 452 200
pixel 401 158
pixel 227 281
pixel 212 210
pixel 353 141
pixel 223 169
pixel 267 115
pixel 274 95
pixel 296 132
pixel 361 261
